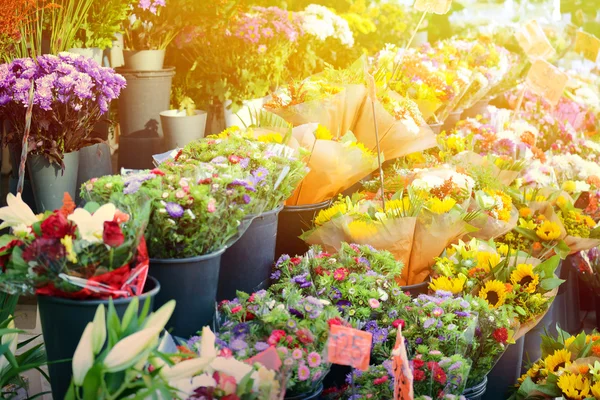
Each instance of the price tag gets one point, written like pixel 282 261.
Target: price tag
pixel 434 6
pixel 403 377
pixel 546 80
pixel 350 347
pixel 587 45
pixel 533 41
pixel 269 358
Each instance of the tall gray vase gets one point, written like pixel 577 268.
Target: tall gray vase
pixel 94 162
pixel 50 183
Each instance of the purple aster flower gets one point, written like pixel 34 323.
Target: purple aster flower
pixel 454 366
pixel 441 338
pixel 175 210
pixel 444 294
pixel 370 326
pixel 419 340
pixel 335 293
pixel 300 279
pixel 305 285
pixel 244 162
pixel 342 304
pixel 371 273
pixel 380 336
pixel 238 345
pixel 396 291
pixel 241 329
pixel 296 313
pixel 387 364
pixel 260 174
pixel 429 322
pixel 261 346
pixel 219 160
pixel 192 341
pixel 462 313
pixel 464 304
pixel 276 275
pixel 281 260
pixel 393 314
pixel 133 183
pixel 221 343
pixel 247 199
pixel 363 260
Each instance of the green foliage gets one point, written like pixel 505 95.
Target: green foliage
pixel 104 20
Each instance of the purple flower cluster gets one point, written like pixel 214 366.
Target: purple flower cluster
pixel 151 5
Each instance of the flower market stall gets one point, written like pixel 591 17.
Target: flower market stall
pixel 264 199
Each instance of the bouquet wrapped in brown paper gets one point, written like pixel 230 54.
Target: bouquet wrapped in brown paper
pixel 334 164
pixel 498 214
pixel 402 129
pixel 311 101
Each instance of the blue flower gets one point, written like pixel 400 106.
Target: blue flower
pixel 238 345
pixel 175 210
pixel 428 323
pixel 370 326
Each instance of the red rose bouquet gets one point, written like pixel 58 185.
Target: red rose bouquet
pixel 93 252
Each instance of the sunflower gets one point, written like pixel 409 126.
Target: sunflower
pixel 525 277
pixel 559 359
pixel 454 285
pixel 487 260
pixel 548 231
pixel 322 133
pixel 569 341
pixel 596 390
pixel 360 230
pixel 494 292
pixel 327 214
pixel 574 387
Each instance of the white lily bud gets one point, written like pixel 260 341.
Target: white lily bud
pixel 232 367
pixel 99 330
pixel 185 369
pixel 128 350
pixel 160 318
pixel 83 359
pixel 207 346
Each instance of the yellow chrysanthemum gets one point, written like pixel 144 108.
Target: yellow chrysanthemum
pixel 494 292
pixel 589 222
pixel 454 285
pixel 270 137
pixel 487 260
pixel 438 206
pixel 67 241
pixel 322 133
pixel 525 212
pixel 362 230
pixel 361 147
pixel 525 277
pixel 548 231
pixel 558 360
pixel 574 387
pixel 561 201
pixel 569 186
pixel 328 213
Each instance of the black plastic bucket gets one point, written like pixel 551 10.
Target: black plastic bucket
pixel 415 290
pixel 307 396
pixel 246 266
pixel 293 220
pixel 192 283
pixel 63 322
pixel 476 392
pixel 506 372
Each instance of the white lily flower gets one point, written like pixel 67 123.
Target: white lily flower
pixel 91 226
pixel 207 346
pixel 83 359
pixel 185 369
pixel 99 330
pixel 232 367
pixel 128 351
pixel 160 317
pixel 17 214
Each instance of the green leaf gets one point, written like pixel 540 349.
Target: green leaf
pixel 528 233
pixel 548 267
pixel 92 382
pixel 130 313
pixel 562 249
pixel 113 325
pixel 520 310
pixel 91 207
pixel 551 283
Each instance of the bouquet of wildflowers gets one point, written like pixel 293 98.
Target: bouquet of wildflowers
pixel 82 253
pixel 147 29
pixel 587 264
pixel 70 94
pixel 296 326
pixel 569 368
pixel 272 171
pixel 581 230
pixel 196 208
pixel 377 383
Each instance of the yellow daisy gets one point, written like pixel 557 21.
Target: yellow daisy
pixel 525 277
pixel 328 213
pixel 454 285
pixel 527 224
pixel 548 231
pixel 438 206
pixel 494 292
pixel 574 387
pixel 558 360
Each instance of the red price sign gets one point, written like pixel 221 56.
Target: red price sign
pixel 350 347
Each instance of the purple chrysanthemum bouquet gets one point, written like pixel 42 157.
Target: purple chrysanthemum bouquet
pixel 71 93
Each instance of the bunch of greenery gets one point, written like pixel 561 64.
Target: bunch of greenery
pixel 103 21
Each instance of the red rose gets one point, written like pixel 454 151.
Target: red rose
pixel 112 235
pixel 381 380
pixel 46 251
pixel 398 322
pixel 236 309
pixel 296 260
pixel 418 363
pixel 500 335
pixel 418 375
pixel 249 316
pixel 57 226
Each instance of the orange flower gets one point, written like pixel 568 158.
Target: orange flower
pixel 537 246
pixel 525 212
pixel 593 180
pixel 528 138
pixel 583 369
pixel 68 205
pixel 509 287
pixel 596 349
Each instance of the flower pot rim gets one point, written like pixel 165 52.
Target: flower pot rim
pixel 168 114
pixel 317 390
pixel 477 388
pixel 138 51
pixel 307 207
pixel 121 300
pixel 265 213
pixel 166 70
pixel 202 257
pixel 415 286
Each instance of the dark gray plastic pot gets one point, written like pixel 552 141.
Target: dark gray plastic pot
pixel 506 372
pixel 94 162
pixel 293 220
pixel 246 266
pixel 476 392
pixel 180 129
pixel 50 183
pixel 146 95
pixel 136 153
pixel 307 396
pixel 417 289
pixel 63 322
pixel 192 283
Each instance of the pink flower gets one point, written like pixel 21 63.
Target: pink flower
pixel 297 354
pixel 180 194
pixel 314 360
pixel 303 373
pixel 212 206
pixel 374 303
pixel 262 49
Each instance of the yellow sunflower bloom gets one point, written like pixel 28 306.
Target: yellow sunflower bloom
pixel 548 231
pixel 569 186
pixel 327 214
pixel 438 206
pixel 596 390
pixel 271 137
pixel 589 222
pixel 454 285
pixel 525 277
pixel 503 249
pixel 397 208
pixel 569 341
pixel 574 387
pixel 360 231
pixel 487 260
pixel 494 292
pixel 558 360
